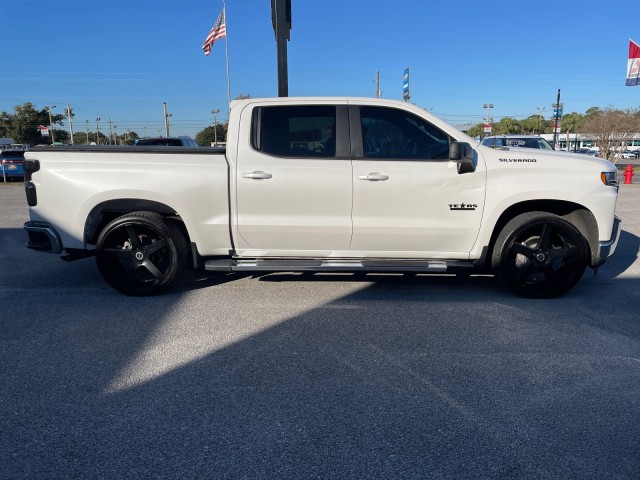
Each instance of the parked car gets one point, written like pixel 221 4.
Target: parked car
pixel 182 141
pixel 525 141
pixel 588 151
pixel 628 155
pixel 11 165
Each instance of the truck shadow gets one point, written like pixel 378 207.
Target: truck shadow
pixel 625 256
pixel 390 377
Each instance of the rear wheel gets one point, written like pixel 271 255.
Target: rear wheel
pixel 140 253
pixel 540 255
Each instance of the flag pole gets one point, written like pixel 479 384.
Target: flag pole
pixel 226 45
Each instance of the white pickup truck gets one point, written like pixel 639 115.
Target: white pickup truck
pixel 326 184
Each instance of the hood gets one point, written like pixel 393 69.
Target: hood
pixel 545 155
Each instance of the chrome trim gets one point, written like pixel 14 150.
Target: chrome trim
pixel 54 243
pixel 333 265
pixel 607 248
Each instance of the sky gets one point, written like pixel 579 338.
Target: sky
pixel 120 60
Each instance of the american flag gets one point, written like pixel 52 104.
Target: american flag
pixel 219 30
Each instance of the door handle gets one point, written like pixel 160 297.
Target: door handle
pixel 257 175
pixel 374 177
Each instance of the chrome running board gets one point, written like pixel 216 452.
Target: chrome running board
pixel 332 265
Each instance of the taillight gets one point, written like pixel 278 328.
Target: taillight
pixel 30 166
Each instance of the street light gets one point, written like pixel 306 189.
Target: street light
pixel 540 115
pixel 87 129
pixel 215 126
pixel 97 131
pixel 166 119
pixel 488 107
pixel 51 123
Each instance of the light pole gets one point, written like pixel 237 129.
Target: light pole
pixel 166 119
pixel 87 129
pixel 215 126
pixel 488 107
pixel 50 123
pixel 70 122
pixel 110 131
pixel 97 131
pixel 540 115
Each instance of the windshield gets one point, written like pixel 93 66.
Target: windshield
pixel 521 142
pixel 539 143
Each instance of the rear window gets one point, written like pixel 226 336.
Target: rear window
pixel 539 143
pixel 295 131
pixel 12 154
pixel 522 142
pixel 167 142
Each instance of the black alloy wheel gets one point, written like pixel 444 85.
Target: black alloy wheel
pixel 140 253
pixel 540 255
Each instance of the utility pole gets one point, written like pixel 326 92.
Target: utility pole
pixel 97 131
pixel 51 123
pixel 378 92
pixel 70 123
pixel 166 119
pixel 87 127
pixel 110 132
pixel 215 127
pixel 115 134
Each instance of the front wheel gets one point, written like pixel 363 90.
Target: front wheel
pixel 140 253
pixel 540 255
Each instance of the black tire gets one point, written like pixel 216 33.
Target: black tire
pixel 140 253
pixel 540 255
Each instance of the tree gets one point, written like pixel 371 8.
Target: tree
pixel 128 138
pixel 61 136
pixel 5 124
pixel 506 126
pixel 476 131
pixel 531 124
pixel 571 122
pixel 206 137
pixel 612 129
pixel 22 126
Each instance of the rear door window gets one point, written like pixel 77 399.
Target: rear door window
pixel 295 131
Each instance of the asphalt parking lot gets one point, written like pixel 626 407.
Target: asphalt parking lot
pixel 316 376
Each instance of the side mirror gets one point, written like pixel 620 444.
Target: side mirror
pixel 463 154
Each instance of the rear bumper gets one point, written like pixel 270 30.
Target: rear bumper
pixel 43 237
pixel 11 171
pixel 607 248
